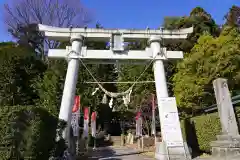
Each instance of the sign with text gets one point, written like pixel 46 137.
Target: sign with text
pixel 170 124
pixel 75 116
pixel 86 121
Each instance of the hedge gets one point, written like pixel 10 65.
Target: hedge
pixel 27 132
pixel 206 128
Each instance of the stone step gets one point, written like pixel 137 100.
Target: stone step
pixel 225 144
pixel 228 138
pixel 224 138
pixel 224 152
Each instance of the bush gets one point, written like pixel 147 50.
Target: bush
pixel 26 132
pixel 7 143
pixel 207 128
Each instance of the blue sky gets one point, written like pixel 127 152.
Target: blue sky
pixel 143 13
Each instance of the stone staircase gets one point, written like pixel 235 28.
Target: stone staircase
pixel 225 148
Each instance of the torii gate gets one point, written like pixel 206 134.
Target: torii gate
pixel 116 52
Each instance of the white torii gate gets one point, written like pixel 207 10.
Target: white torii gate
pixel 116 52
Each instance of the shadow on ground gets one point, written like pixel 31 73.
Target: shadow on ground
pixel 110 153
pixel 103 143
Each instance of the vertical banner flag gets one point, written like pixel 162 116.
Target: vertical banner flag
pixel 86 121
pixel 93 124
pixel 138 124
pixel 153 116
pixel 76 105
pixel 76 116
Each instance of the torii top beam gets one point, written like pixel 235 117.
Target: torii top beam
pixel 107 35
pixel 56 33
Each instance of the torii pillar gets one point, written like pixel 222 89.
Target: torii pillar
pixel 158 66
pixel 172 145
pixel 70 89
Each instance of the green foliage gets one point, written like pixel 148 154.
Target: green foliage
pixel 202 23
pixel 207 128
pixel 199 19
pixel 209 59
pixel 50 87
pixel 26 132
pixel 19 67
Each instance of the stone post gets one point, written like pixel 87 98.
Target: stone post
pixel 228 142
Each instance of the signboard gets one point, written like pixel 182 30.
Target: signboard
pixel 75 116
pixel 170 124
pixel 74 124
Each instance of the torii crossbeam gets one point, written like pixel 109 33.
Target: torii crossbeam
pixel 106 35
pixel 116 37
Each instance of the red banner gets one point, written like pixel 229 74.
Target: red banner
pixel 86 120
pixel 86 113
pixel 94 116
pixel 138 115
pixel 76 105
pixel 93 124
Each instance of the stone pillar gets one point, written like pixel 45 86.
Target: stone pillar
pixel 228 143
pixel 225 107
pixel 70 86
pixel 172 145
pixel 158 67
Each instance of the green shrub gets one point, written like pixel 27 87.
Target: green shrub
pixel 26 132
pixel 11 144
pixel 207 128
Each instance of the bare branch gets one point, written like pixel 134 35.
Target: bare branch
pixel 58 13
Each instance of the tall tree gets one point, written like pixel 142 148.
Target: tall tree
pixel 22 16
pixel 233 17
pixel 199 19
pixel 209 59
